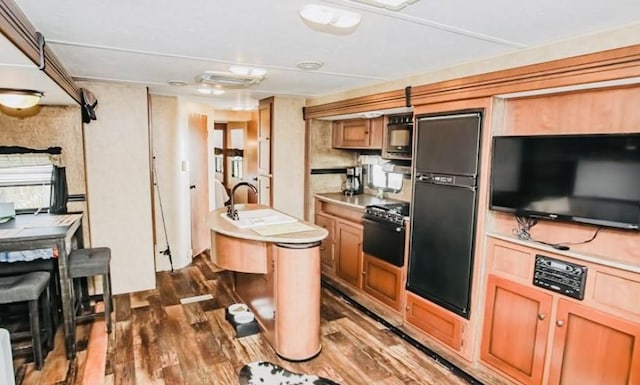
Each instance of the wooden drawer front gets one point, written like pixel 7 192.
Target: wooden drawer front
pixel 617 292
pixel 510 259
pixel 434 320
pixel 383 281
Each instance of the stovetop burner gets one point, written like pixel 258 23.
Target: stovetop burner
pixel 390 212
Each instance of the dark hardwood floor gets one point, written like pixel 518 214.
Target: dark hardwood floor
pixel 159 341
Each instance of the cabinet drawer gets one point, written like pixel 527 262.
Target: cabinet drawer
pixel 434 320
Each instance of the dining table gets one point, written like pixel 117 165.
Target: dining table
pixel 57 232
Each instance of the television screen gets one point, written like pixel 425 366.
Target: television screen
pixel 583 178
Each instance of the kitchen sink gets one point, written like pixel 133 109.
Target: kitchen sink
pixel 259 217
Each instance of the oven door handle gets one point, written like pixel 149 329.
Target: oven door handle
pixel 387 225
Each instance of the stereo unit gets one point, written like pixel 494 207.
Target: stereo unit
pixel 560 276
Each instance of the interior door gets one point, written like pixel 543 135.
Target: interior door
pixel 198 183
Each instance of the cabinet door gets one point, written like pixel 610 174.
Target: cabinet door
pixel 349 252
pixel 326 247
pixel 516 327
pixel 353 133
pixel 592 348
pixel 383 281
pixel 434 320
pixel 264 190
pixel 265 112
pixel 376 133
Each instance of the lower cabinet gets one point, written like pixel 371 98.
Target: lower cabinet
pixel 516 327
pixel 592 348
pixel 327 246
pixel 588 347
pixel 434 321
pixel 382 281
pixel 348 252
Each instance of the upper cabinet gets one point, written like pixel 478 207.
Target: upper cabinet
pixel 358 133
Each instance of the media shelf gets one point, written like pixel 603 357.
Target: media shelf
pixel 598 259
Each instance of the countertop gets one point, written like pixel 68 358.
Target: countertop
pixel 356 201
pixel 217 223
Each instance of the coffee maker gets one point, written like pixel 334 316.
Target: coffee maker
pixel 353 184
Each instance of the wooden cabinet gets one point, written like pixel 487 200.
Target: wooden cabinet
pixel 434 321
pixel 537 336
pixel 382 281
pixel 264 189
pixel 348 252
pixel 327 257
pixel 516 327
pixel 358 133
pixel 591 348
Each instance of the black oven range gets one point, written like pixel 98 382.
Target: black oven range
pixel 384 231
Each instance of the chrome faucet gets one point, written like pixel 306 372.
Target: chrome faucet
pixel 232 212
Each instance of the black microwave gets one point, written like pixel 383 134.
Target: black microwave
pixel 399 132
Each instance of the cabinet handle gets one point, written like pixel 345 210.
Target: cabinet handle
pixel 560 323
pixel 364 273
pixel 322 248
pixel 542 316
pixel 408 308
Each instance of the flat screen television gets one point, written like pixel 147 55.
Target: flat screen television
pixel 592 179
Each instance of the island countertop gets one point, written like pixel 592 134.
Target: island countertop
pixel 216 222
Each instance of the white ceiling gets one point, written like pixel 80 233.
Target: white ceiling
pixel 150 42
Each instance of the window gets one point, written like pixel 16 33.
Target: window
pixel 28 187
pixel 385 181
pixel 236 167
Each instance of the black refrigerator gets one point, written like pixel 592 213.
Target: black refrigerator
pixel 443 209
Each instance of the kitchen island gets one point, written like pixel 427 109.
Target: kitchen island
pixel 276 263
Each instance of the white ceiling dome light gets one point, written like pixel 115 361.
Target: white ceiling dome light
pixel 19 99
pixel 331 20
pixel 309 65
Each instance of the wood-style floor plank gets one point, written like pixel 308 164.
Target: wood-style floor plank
pixel 159 341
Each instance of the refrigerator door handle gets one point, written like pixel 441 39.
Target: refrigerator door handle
pixel 424 177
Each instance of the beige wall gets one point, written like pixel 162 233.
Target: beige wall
pixel 51 126
pixel 287 157
pixel 118 184
pixel 171 181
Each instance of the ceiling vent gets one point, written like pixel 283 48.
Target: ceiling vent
pixel 228 80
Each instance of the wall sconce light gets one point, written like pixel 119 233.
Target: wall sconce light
pixel 19 99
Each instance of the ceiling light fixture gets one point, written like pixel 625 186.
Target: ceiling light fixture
pixel 321 17
pixel 247 71
pixel 393 5
pixel 227 80
pixel 19 99
pixel 309 65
